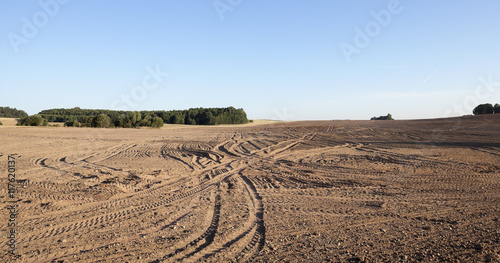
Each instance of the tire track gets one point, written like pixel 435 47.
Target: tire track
pixel 258 240
pixel 108 218
pixel 202 241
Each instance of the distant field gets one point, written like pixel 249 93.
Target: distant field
pixel 311 191
pixel 8 122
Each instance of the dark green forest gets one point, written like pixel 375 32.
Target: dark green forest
pixel 77 117
pixel 7 112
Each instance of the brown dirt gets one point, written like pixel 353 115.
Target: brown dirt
pixel 340 191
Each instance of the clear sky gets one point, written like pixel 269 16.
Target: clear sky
pixel 292 60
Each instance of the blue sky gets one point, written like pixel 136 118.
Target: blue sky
pixel 276 59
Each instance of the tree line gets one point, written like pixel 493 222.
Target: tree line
pixel 486 108
pixel 103 120
pixel 77 117
pixel 7 112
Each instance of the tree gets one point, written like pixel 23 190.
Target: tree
pixel 157 122
pixel 86 121
pixel 388 117
pixel 120 120
pixel 190 121
pixel 496 108
pixel 146 121
pixel 207 118
pixel 486 108
pixel 176 119
pixel 135 117
pixel 35 120
pixel 101 121
pixel 71 124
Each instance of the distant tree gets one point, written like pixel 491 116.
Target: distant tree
pixel 486 108
pixel 496 108
pixel 86 121
pixel 207 118
pixel 71 124
pixel 101 121
pixel 157 122
pixel 387 117
pixel 135 118
pixel 191 121
pixel 146 121
pixel 35 120
pixel 176 119
pixel 120 120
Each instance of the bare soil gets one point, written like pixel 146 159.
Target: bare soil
pixel 315 191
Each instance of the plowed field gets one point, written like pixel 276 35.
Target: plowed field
pixel 340 191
